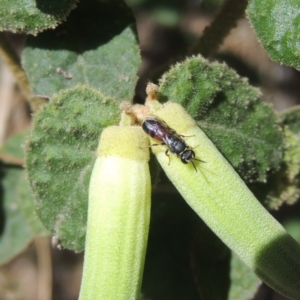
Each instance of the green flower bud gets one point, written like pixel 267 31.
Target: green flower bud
pixel 118 216
pixel 220 197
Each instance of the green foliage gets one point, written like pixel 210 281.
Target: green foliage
pixel 60 156
pixel 87 66
pixel 284 185
pixel 66 131
pixel 102 53
pixel 291 118
pixel 33 16
pixel 292 226
pixel 14 146
pixel 19 223
pixel 230 112
pixel 277 25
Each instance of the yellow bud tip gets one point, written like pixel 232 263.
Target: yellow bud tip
pixel 124 141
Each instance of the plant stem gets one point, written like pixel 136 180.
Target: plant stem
pixel 214 34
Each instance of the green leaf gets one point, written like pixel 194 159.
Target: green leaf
pixel 14 145
pixel 60 157
pixel 230 112
pixel 33 16
pixel 97 46
pixel 244 283
pixel 277 25
pixel 291 118
pixel 19 223
pixel 284 185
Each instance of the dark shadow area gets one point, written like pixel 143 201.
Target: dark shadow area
pixel 287 212
pixel 54 7
pixel 157 5
pixel 211 260
pixel 280 258
pixel 90 25
pixel 169 47
pixel 168 274
pixel 266 293
pixel 184 260
pixel 67 268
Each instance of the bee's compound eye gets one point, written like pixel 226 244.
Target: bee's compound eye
pixel 187 156
pixel 184 160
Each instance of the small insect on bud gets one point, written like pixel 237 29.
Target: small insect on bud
pixel 160 131
pixel 118 216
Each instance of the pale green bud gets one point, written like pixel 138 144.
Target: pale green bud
pixel 221 198
pixel 118 216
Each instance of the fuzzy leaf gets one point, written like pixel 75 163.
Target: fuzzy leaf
pixel 60 157
pixel 19 223
pixel 277 25
pixel 97 46
pixel 284 185
pixel 291 118
pixel 13 146
pixel 33 16
pixel 230 112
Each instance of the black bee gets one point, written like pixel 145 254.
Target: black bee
pixel 159 130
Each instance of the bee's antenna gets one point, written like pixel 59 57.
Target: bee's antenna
pixel 194 166
pixel 200 160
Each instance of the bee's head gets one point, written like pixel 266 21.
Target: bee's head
pixel 187 156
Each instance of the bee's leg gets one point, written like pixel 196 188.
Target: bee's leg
pixel 185 136
pixel 191 148
pixel 167 153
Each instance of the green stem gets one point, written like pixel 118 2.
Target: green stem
pixel 214 34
